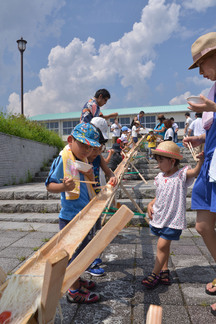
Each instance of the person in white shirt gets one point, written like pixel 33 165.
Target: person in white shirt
pixel 197 128
pixel 169 135
pixel 188 121
pixel 116 129
pixel 175 129
pixel 135 131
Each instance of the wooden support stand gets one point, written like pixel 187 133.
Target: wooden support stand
pixel 116 223
pixel 51 290
pixel 154 315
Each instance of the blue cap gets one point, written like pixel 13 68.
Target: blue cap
pixel 87 134
pixel 124 128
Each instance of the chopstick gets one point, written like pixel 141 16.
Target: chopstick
pixel 191 149
pixel 83 181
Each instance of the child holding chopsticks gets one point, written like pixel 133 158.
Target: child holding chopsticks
pixel 75 195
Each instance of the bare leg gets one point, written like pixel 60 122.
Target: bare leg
pixel 205 226
pixel 162 258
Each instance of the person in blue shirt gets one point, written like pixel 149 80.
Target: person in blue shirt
pixel 74 194
pixel 160 128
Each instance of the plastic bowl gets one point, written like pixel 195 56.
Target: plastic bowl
pixel 195 100
pixel 82 166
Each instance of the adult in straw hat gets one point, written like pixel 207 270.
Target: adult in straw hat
pixel 204 191
pixel 168 209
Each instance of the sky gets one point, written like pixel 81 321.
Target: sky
pixel 139 50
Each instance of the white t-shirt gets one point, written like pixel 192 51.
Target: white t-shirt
pixel 188 121
pixel 116 130
pixel 123 138
pixel 197 127
pixel 170 205
pixel 174 126
pixel 133 131
pixel 169 133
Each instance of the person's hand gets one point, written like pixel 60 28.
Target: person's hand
pixel 194 140
pixel 89 174
pixel 150 210
pixel 208 105
pixel 113 181
pixel 68 183
pixel 201 157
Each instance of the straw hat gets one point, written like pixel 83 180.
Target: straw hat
pixel 203 47
pixel 168 149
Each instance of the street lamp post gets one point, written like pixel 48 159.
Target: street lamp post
pixel 21 46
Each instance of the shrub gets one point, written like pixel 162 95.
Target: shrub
pixel 19 125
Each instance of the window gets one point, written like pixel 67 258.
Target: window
pixel 148 121
pixel 181 125
pixel 52 126
pixel 124 121
pixel 68 126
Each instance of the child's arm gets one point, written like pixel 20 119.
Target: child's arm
pixel 191 173
pixel 108 172
pixel 150 208
pixel 107 159
pixel 67 185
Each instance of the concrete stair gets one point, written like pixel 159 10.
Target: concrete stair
pixel 32 203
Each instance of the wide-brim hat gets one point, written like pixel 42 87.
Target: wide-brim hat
pixel 86 134
pixel 168 149
pixel 203 47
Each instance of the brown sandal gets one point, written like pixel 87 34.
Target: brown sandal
pixel 165 277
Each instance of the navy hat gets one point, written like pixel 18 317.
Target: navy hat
pixel 86 134
pixel 116 147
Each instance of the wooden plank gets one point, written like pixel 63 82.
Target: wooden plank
pixel 154 315
pixel 51 290
pixel 133 166
pixel 96 246
pixel 133 201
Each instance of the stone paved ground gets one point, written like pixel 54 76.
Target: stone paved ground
pixel 126 260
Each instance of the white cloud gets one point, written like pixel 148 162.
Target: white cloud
pixel 200 82
pixel 198 5
pixel 180 100
pixel 76 71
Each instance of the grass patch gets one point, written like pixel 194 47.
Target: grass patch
pixel 22 258
pixel 45 240
pixel 21 126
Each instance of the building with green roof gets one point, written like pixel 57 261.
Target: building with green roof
pixel 63 123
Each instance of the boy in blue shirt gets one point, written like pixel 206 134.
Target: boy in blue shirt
pixel 74 194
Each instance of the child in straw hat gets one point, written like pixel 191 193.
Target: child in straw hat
pixel 167 210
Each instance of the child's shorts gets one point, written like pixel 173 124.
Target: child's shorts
pixel 166 233
pixel 135 139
